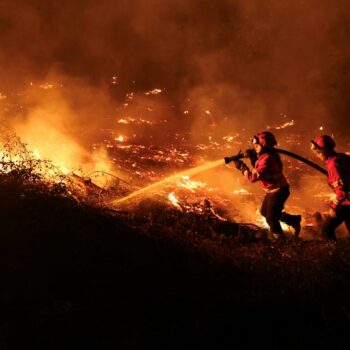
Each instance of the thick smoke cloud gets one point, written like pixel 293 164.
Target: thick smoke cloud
pixel 247 60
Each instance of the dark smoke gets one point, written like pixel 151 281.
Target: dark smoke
pixel 249 61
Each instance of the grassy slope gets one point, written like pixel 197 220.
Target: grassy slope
pixel 77 276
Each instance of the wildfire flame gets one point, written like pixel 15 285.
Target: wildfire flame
pixel 173 200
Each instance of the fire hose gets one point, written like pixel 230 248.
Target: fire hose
pixel 241 155
pixel 302 159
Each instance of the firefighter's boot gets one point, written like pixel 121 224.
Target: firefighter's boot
pixel 294 221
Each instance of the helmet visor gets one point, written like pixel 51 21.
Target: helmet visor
pixel 315 147
pixel 255 140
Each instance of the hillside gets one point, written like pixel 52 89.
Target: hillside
pixel 76 275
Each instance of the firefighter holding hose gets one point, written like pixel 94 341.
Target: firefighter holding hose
pixel 268 171
pixel 338 167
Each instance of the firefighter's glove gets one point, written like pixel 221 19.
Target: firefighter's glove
pixel 241 166
pixel 238 164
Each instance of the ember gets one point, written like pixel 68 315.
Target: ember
pixel 120 138
pixel 241 191
pixel 173 200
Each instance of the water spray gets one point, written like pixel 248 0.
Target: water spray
pixel 302 159
pixel 172 178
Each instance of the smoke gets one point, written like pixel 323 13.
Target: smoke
pixel 60 127
pixel 232 65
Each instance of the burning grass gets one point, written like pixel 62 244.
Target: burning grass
pixel 20 165
pixel 170 264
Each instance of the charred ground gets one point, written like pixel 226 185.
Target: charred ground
pixel 80 275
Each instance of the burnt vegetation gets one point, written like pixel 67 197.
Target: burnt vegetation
pixel 76 273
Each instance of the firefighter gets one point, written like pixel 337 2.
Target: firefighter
pixel 338 167
pixel 268 171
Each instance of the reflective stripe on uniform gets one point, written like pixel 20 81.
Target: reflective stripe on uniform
pixel 335 201
pixel 337 183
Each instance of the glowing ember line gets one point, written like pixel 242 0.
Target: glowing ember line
pixel 153 92
pixel 172 178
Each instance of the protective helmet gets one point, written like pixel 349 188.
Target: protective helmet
pixel 323 143
pixel 265 139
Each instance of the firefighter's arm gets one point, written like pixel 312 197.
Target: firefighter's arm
pixel 337 185
pixel 251 175
pixel 259 172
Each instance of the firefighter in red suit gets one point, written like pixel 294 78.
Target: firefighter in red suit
pixel 268 172
pixel 338 167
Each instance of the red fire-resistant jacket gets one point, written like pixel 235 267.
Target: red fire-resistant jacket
pixel 268 171
pixel 338 166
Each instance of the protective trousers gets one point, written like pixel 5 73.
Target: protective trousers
pixel 272 209
pixel 331 223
